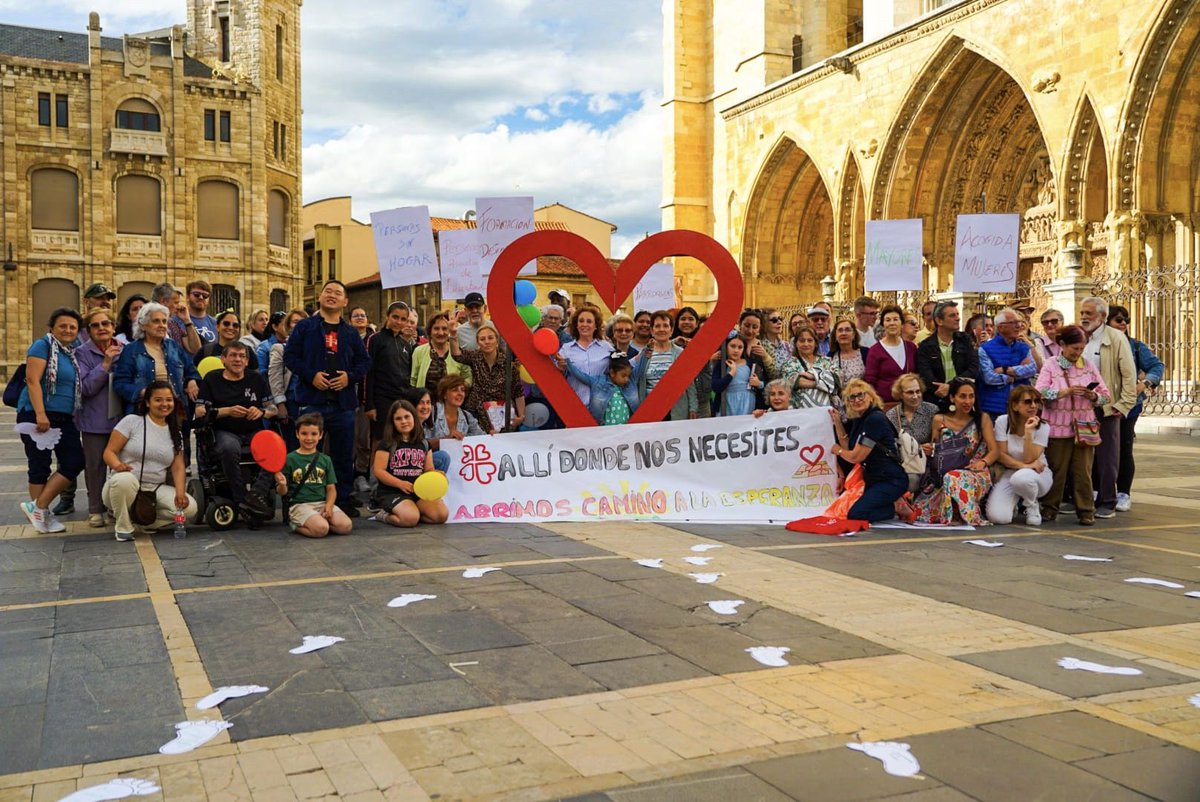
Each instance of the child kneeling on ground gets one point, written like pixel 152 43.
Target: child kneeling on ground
pixel 310 485
pixel 399 459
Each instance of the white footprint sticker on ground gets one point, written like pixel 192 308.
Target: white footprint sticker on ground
pixel 192 734
pixel 229 692
pixel 987 544
pixel 1087 559
pixel 1075 664
pixel 314 642
pixel 647 562
pixel 1162 583
pixel 697 560
pixel 770 655
pixel 113 789
pixel 409 598
pixel 706 579
pixel 1195 594
pixel 475 573
pixel 702 547
pixel 725 606
pixel 896 758
pixel 1195 700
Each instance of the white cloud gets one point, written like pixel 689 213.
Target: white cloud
pixel 536 115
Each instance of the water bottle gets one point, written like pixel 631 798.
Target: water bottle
pixel 180 524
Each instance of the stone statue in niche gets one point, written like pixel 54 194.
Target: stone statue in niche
pixel 847 280
pixel 1046 82
pixel 1037 189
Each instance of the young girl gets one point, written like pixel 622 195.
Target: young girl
pixel 614 397
pixel 736 381
pixel 399 459
pixel 779 397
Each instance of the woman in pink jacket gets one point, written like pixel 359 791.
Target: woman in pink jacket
pixel 1072 389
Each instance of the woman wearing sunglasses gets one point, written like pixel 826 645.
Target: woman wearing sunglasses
pixel 228 331
pixel 1150 374
pixel 869 439
pixel 1021 438
pixel 964 450
pixel 773 336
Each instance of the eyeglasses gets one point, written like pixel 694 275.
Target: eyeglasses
pixel 856 396
pixel 911 392
pixel 199 294
pixel 1120 319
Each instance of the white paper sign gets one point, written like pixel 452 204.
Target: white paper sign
pixel 893 255
pixel 776 468
pixel 460 264
pixel 656 290
pixel 499 221
pixel 985 253
pixel 404 246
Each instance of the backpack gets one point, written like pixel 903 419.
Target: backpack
pixel 912 457
pixel 16 383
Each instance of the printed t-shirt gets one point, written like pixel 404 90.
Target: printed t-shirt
pixel 313 489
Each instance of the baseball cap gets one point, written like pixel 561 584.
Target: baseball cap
pixel 817 310
pixel 473 299
pixel 99 290
pixel 560 292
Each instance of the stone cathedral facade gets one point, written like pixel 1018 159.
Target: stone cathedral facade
pixel 165 155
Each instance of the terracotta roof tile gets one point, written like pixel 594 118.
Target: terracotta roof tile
pixel 547 266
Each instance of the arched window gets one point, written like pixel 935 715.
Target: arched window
pixel 137 114
pixel 277 219
pixel 217 210
pixel 280 301
pixel 225 296
pixel 49 294
pixel 139 205
pixel 54 195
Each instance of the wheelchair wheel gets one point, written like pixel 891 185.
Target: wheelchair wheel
pixel 220 515
pixel 195 489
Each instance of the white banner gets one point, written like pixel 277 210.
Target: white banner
pixel 985 253
pixel 772 469
pixel 893 255
pixel 499 221
pixel 656 290
pixel 404 246
pixel 459 250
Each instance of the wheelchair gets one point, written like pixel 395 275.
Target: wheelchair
pixel 211 488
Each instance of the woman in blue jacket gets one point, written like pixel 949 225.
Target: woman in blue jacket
pixel 152 354
pixel 1150 374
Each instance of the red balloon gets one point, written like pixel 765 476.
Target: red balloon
pixel 268 450
pixel 546 341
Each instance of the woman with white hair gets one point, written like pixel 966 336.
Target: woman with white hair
pixel 153 355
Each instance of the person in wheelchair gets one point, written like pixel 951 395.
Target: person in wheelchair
pixel 235 402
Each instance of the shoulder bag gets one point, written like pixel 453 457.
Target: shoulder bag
pixel 144 509
pixel 912 457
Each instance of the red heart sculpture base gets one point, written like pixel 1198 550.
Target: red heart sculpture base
pixel 614 287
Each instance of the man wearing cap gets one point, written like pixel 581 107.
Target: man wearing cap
pixel 818 317
pixel 476 308
pixel 563 299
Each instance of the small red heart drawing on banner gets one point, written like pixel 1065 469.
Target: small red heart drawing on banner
pixel 614 287
pixel 817 452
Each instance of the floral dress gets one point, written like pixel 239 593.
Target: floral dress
pixel 960 489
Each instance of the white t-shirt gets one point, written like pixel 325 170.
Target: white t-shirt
pixel 866 338
pixel 1016 443
pixel 160 451
pixel 896 352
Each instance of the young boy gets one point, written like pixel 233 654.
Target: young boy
pixel 309 483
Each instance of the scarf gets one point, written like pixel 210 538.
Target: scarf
pixel 57 348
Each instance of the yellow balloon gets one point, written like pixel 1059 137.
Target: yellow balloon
pixel 525 377
pixel 209 364
pixel 431 485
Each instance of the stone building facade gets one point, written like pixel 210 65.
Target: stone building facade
pixel 790 123
pixel 167 155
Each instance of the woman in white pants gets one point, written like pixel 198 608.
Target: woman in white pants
pixel 1022 439
pixel 145 452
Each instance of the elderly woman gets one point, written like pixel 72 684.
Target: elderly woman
pixel 228 329
pixel 813 377
pixel 891 356
pixel 152 355
pixel 94 416
pixel 1072 390
pixel 433 361
pixel 49 400
pixel 656 360
pixel 868 439
pixel 1022 438
pixel 491 371
pixel 449 417
pixel 958 493
pixel 145 452
pixel 585 350
pixel 620 333
pixel 1150 371
pixel 913 415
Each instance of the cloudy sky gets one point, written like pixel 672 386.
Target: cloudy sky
pixel 438 101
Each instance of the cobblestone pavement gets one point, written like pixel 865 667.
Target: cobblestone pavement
pixel 575 673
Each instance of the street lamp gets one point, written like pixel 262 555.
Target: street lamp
pixel 10 265
pixel 828 286
pixel 1072 259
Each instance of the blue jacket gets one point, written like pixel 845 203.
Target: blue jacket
pixel 993 388
pixel 602 392
pixel 134 370
pixel 304 356
pixel 1149 366
pixel 263 353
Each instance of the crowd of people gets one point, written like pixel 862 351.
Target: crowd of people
pixel 948 423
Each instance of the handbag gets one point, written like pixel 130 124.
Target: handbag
pixel 1087 432
pixel 144 509
pixel 912 456
pixel 950 454
pixel 16 383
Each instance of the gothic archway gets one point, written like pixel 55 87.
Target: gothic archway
pixel 787 244
pixel 851 230
pixel 1084 206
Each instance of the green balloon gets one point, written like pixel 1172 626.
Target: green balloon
pixel 530 314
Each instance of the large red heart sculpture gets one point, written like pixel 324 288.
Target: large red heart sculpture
pixel 614 287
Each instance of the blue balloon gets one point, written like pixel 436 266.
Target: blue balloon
pixel 524 292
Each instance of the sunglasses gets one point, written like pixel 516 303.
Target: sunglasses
pixel 1052 321
pixel 776 319
pixel 856 396
pixel 199 294
pixel 1032 401
pixel 1120 319
pixel 229 324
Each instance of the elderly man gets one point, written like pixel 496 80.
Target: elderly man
pixel 947 355
pixel 476 308
pixel 1110 352
pixel 818 318
pixel 552 318
pixel 1004 362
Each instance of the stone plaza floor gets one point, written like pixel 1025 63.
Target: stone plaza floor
pixel 573 672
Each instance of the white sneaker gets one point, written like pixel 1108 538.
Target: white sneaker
pixel 36 516
pixel 52 523
pixel 1033 516
pixel 124 537
pixel 1124 502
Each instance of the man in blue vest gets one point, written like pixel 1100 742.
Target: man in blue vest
pixel 1004 362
